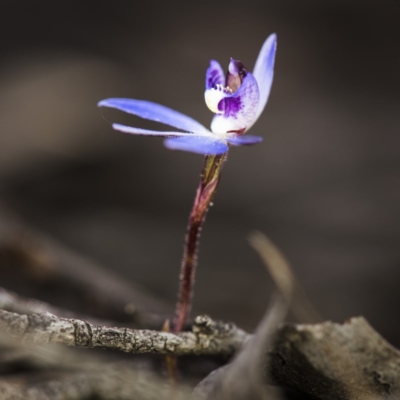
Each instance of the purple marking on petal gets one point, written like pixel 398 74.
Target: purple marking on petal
pixel 246 140
pixel 240 108
pixel 197 144
pixel 230 106
pixel 264 71
pixel 214 75
pixel 155 112
pixel 145 132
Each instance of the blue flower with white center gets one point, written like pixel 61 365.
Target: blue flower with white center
pixel 237 99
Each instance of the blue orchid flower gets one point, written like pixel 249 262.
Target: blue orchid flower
pixel 237 99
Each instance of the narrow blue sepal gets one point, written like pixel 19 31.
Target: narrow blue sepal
pixel 246 140
pixel 155 112
pixel 197 144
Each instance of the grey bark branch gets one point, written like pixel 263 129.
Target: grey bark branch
pixel 207 337
pixel 58 372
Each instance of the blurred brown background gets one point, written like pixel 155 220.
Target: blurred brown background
pixel 324 185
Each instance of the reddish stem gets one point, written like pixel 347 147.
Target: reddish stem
pixel 208 184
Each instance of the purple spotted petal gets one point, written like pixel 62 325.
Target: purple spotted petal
pixel 214 75
pixel 155 112
pixel 264 71
pixel 239 109
pixel 246 140
pixel 146 132
pixel 197 144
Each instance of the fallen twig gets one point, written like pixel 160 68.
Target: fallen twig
pixel 56 372
pixel 207 337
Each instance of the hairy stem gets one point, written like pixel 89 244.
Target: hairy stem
pixel 208 184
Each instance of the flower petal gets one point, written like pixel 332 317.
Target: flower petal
pixel 264 71
pixel 246 140
pixel 197 144
pixel 146 132
pixel 238 110
pixel 214 75
pixel 155 112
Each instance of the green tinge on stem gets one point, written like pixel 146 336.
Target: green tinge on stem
pixel 208 184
